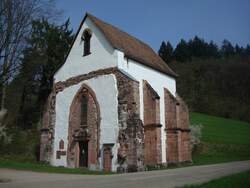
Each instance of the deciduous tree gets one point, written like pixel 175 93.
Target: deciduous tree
pixel 15 25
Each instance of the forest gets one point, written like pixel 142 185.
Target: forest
pixel 212 80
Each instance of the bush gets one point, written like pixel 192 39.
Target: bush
pixel 23 145
pixel 195 135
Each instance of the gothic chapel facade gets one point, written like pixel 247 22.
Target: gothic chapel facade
pixel 114 105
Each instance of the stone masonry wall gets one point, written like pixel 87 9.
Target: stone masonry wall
pixel 131 134
pixel 177 128
pixel 47 130
pixel 152 126
pixel 185 153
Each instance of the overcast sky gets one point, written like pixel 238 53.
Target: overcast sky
pixel 156 20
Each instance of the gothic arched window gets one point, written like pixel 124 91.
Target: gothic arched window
pixel 84 110
pixel 86 36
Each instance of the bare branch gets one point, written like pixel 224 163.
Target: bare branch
pixel 16 17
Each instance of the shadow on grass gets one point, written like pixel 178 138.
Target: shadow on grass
pixel 37 167
pixel 4 180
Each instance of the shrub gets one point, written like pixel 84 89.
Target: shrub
pixel 23 145
pixel 195 135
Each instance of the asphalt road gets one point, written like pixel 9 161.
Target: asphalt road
pixel 160 178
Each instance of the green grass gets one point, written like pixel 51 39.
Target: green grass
pixel 240 180
pixel 223 140
pixel 36 167
pixel 221 130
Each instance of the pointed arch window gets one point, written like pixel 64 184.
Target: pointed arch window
pixel 86 36
pixel 84 110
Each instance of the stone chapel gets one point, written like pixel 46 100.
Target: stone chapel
pixel 114 105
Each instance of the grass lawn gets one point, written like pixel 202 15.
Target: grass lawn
pixel 240 180
pixel 36 167
pixel 223 140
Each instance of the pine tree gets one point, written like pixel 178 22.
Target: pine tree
pixel 166 52
pixel 227 48
pixel 247 50
pixel 182 51
pixel 238 49
pixel 213 50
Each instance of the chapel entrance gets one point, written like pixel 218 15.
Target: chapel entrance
pixel 84 130
pixel 83 154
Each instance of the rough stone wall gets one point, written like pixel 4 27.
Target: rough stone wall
pixel 152 144
pixel 177 128
pixel 183 124
pixel 172 146
pixel 59 86
pixel 152 127
pixel 94 127
pixel 186 153
pixel 47 130
pixel 151 104
pixel 182 113
pixel 170 110
pixel 171 127
pixel 131 133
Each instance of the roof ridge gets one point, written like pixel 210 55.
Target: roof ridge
pixel 130 35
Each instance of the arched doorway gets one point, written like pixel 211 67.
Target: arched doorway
pixel 84 130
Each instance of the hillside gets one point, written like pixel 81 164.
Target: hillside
pixel 218 87
pixel 223 139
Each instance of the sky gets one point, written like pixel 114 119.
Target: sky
pixel 153 21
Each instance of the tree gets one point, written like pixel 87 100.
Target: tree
pixel 213 50
pixel 166 51
pixel 46 51
pixel 216 86
pixel 15 25
pixel 238 50
pixel 247 50
pixel 182 51
pixel 227 48
pixel 198 47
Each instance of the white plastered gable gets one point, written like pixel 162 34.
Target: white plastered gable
pixel 102 54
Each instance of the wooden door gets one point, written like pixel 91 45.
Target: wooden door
pixel 83 154
pixel 107 159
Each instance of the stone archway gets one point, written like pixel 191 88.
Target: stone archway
pixel 84 130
